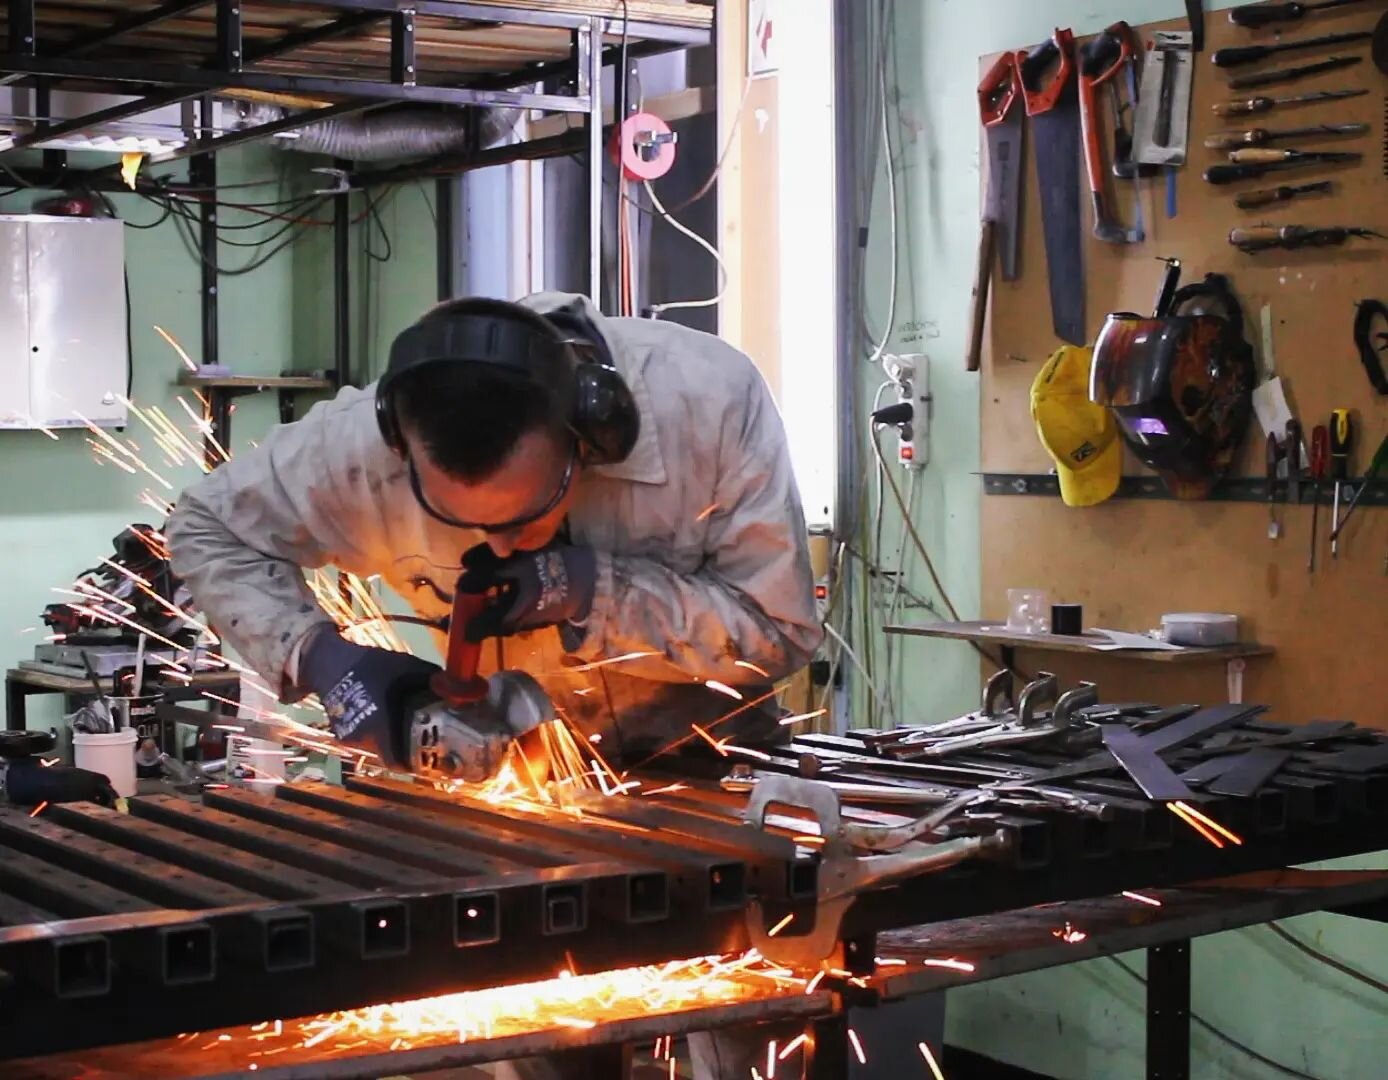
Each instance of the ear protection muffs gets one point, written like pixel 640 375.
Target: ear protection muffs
pixel 588 393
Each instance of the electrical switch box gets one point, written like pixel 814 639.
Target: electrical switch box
pixel 912 375
pixel 64 357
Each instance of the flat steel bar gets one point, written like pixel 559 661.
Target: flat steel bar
pixel 71 895
pixel 117 866
pixel 1148 771
pixel 335 861
pixel 414 847
pixel 552 832
pixel 1198 725
pixel 267 877
pixel 1249 771
pixel 1168 1011
pixel 205 80
pixel 403 65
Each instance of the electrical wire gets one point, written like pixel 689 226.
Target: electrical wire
pixel 881 345
pixel 656 309
pixel 1228 1040
pixel 1329 961
pixel 882 703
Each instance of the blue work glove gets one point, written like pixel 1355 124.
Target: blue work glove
pixel 366 692
pixel 548 587
pixel 28 783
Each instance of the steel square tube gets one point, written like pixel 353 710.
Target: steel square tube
pixel 208 80
pixel 1310 800
pixel 69 894
pixel 476 918
pixel 421 850
pixel 112 864
pixel 229 54
pixel 16 912
pixel 76 967
pixel 83 43
pixel 187 954
pixel 403 69
pixel 278 880
pixel 336 861
pixel 312 35
pixel 376 928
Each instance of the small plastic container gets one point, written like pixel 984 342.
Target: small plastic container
pixel 1028 611
pixel 108 752
pixel 1205 629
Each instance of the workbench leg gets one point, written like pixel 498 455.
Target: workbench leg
pixel 826 1054
pixel 611 1060
pixel 1168 1011
pixel 16 712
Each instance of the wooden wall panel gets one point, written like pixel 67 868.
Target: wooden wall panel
pixel 1128 561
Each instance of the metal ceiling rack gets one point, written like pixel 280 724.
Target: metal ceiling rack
pixel 347 57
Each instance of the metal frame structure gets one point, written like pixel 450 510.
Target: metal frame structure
pixel 236 64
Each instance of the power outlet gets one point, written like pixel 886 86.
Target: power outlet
pixel 913 387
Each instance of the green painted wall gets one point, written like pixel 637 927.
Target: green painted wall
pixel 1083 1021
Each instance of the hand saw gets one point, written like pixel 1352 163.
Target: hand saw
pixel 1054 113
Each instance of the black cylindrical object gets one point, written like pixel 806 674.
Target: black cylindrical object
pixel 1067 619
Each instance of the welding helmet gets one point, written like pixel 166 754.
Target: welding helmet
pixel 561 355
pixel 1180 385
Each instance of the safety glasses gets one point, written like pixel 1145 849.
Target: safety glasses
pixel 499 527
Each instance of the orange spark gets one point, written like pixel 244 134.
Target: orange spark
pixel 668 789
pixel 780 926
pixel 771 1060
pixel 706 512
pixel 624 658
pixel 1184 815
pixel 715 743
pixel 951 963
pixel 930 1061
pixel 889 961
pixel 813 984
pixel 1069 935
pixel 1206 820
pixel 729 747
pixel 809 841
pixel 752 667
pixel 792 1046
pixel 36 811
pixel 173 343
pixel 1151 901
pixel 802 716
pixel 857 1046
pixel 723 688
pixel 48 763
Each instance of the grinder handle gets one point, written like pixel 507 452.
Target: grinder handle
pixel 458 682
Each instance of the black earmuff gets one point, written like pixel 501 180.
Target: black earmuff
pixel 590 393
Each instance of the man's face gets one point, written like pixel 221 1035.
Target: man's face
pixel 530 477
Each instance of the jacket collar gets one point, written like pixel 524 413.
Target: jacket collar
pixel 645 464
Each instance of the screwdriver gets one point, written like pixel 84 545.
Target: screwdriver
pixel 1256 200
pixel 1293 445
pixel 1320 454
pixel 1267 155
pixel 1274 457
pixel 1230 140
pixel 1376 466
pixel 1341 442
pixel 1254 105
pixel 1251 54
pixel 1252 170
pixel 1267 14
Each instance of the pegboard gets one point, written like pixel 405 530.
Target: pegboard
pixel 1129 560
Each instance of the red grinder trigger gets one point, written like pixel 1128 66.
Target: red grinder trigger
pixel 458 683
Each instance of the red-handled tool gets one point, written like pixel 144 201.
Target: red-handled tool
pixel 1054 112
pixel 1320 466
pixel 1274 461
pixel 458 683
pixel 1101 61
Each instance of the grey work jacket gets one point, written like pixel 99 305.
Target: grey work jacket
pixel 701 588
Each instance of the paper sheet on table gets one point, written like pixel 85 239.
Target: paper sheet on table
pixel 1120 640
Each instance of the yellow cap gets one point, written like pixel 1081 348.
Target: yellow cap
pixel 1081 436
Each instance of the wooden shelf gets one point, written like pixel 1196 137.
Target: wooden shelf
pixel 998 634
pixel 255 382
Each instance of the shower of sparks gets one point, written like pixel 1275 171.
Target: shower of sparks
pixel 1196 819
pixel 771 1060
pixel 798 717
pixel 36 426
pixel 1069 935
pixel 357 612
pixel 715 743
pixel 696 731
pixel 723 688
pixel 934 1065
pixel 950 963
pixel 813 984
pixel 706 512
pixel 173 344
pixel 744 750
pixel 752 667
pixel 1150 901
pixel 780 926
pixel 569 1001
pixel 857 1046
pixel 792 1046
pixel 624 658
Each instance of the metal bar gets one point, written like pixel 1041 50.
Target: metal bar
pixel 110 115
pixel 342 282
pixel 23 31
pixel 291 122
pixel 229 45
pixel 105 862
pixel 1249 771
pixel 402 48
pixel 591 40
pixel 410 846
pixel 16 912
pixel 1209 721
pixel 571 142
pixel 336 861
pixel 1149 772
pixel 208 79
pixel 445 238
pixel 1229 489
pixel 1168 1011
pixel 83 43
pixel 299 39
pixel 267 877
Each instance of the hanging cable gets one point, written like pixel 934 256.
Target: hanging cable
pixel 1328 961
pixel 656 309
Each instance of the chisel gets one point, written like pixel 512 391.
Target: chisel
pixel 1228 140
pixel 1256 200
pixel 1282 75
pixel 1234 172
pixel 1263 155
pixel 1251 106
pixel 1251 54
pixel 1267 14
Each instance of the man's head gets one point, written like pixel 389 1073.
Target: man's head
pixel 480 402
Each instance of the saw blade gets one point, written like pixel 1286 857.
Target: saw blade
pixel 1058 175
pixel 1004 197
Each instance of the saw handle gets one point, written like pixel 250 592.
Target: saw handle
pixel 997 93
pixel 459 682
pixel 983 278
pixel 1254 15
pixel 1245 107
pixel 1031 66
pixel 1100 60
pixel 1229 140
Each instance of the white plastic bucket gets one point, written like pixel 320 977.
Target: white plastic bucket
pixel 112 753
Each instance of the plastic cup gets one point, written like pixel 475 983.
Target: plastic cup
pixel 111 753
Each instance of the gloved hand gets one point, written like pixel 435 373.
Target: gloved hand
pixel 366 692
pixel 28 783
pixel 534 588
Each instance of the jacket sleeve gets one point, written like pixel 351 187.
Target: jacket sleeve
pixel 242 535
pixel 753 597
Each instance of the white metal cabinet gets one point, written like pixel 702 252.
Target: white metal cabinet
pixel 63 333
